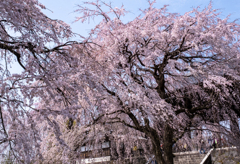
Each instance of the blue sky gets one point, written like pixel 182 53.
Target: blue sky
pixel 64 9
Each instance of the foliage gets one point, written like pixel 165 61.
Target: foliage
pixel 166 74
pixel 35 42
pixel 147 82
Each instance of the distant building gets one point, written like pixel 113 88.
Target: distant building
pixel 106 153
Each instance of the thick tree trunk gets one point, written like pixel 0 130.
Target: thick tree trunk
pixel 161 157
pixel 167 144
pixel 166 156
pixel 161 86
pixel 157 151
pixel 152 133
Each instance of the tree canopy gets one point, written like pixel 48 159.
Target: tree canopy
pixel 158 77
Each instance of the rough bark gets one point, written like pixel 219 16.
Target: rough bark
pixel 168 142
pixel 158 153
pixel 156 147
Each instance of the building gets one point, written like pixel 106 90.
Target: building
pixel 105 152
